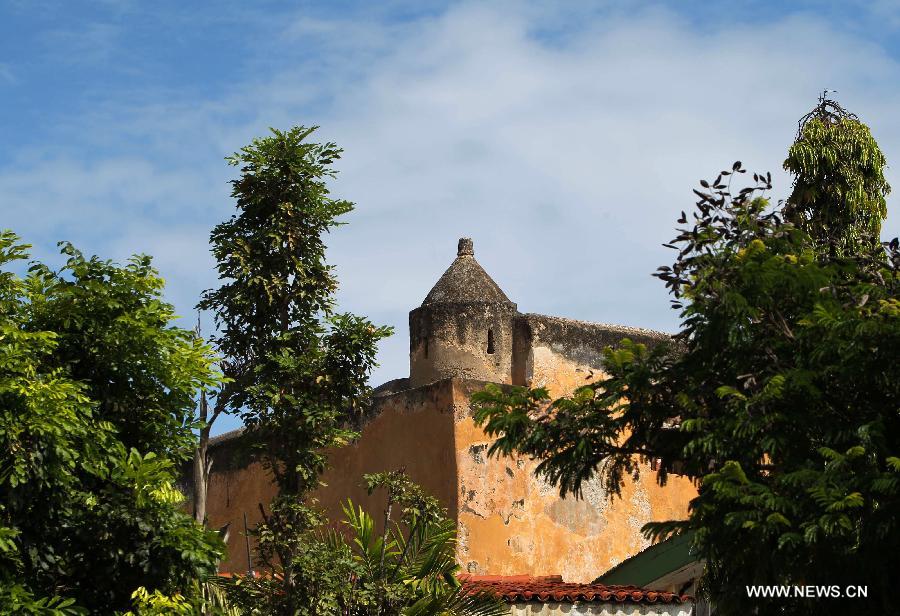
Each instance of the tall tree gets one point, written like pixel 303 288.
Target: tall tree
pixel 839 185
pixel 96 397
pixel 778 395
pixel 299 370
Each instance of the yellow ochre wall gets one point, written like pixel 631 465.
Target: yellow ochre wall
pixel 411 430
pixel 509 521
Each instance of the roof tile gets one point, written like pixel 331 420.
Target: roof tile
pixel 551 588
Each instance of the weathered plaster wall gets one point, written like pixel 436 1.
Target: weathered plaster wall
pixel 412 430
pixel 510 522
pixel 233 492
pixel 562 354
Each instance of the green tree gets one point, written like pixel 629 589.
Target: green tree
pixel 96 392
pixel 839 187
pixel 298 370
pixel 778 396
pixel 206 598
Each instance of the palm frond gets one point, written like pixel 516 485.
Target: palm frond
pixel 457 603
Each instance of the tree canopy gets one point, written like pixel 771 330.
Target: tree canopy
pixel 839 185
pixel 299 370
pixel 96 396
pixel 778 395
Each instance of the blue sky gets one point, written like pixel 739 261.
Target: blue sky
pixel 565 141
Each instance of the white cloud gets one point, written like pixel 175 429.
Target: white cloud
pixel 566 156
pixel 569 163
pixel 84 44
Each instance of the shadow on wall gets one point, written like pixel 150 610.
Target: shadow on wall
pixel 411 430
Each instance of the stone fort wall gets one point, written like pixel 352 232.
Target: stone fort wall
pixel 509 521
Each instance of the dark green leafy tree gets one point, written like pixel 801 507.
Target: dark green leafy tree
pixel 298 370
pixel 778 396
pixel 96 395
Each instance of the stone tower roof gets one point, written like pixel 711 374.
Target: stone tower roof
pixel 466 282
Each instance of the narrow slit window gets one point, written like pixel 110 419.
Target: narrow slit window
pixel 490 348
pixel 426 348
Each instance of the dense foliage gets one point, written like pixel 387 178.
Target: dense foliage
pixel 408 569
pixel 298 369
pixel 839 189
pixel 206 598
pixel 96 395
pixel 779 395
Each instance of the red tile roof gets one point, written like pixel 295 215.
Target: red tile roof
pixel 551 588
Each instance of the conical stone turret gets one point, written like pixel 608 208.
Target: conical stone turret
pixel 464 328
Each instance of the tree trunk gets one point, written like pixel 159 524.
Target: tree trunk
pixel 201 465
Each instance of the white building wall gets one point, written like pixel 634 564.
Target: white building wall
pixel 601 609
